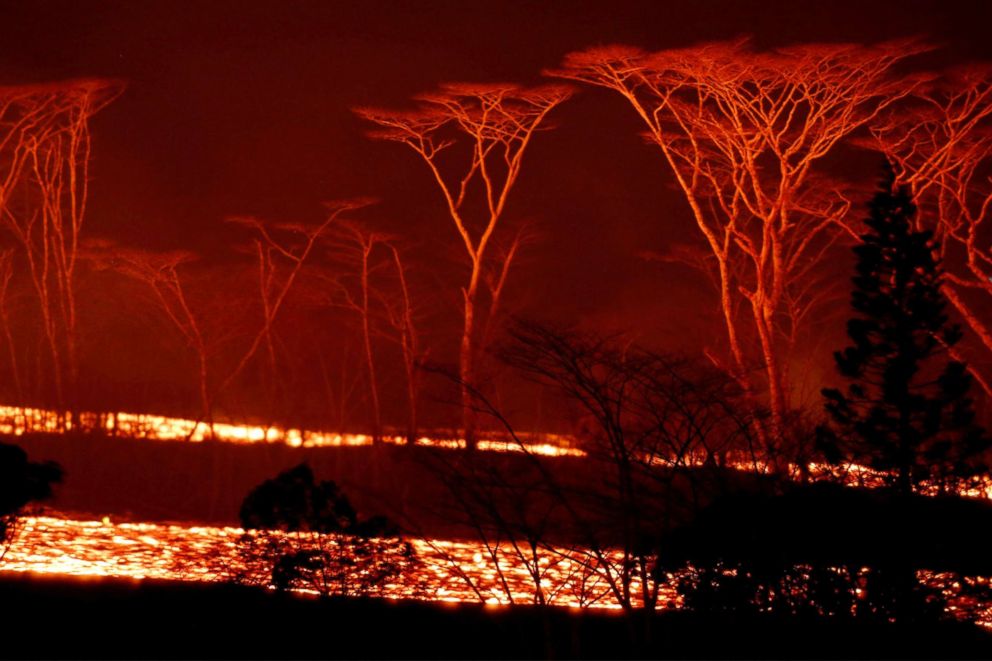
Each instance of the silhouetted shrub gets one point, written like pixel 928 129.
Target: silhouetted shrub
pixel 21 482
pixel 303 534
pixel 826 549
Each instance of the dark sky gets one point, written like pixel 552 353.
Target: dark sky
pixel 243 108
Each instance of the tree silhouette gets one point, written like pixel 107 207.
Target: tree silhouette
pixel 904 412
pixel 825 549
pixel 21 481
pixel 305 534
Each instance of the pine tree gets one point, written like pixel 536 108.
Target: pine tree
pixel 906 410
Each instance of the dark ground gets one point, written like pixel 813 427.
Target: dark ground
pixel 61 617
pixel 145 480
pixel 64 618
pixel 159 481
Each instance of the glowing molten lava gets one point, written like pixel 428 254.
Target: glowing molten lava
pixel 17 421
pixel 449 570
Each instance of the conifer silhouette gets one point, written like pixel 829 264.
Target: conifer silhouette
pixel 906 410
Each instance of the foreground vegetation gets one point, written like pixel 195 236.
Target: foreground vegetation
pixel 119 619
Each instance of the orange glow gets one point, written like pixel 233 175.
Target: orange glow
pixel 17 421
pixel 449 569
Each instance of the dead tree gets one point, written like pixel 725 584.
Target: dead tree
pixel 473 139
pixel 46 140
pixel 160 272
pixel 401 313
pixel 281 250
pixel 941 148
pixel 6 274
pixel 353 245
pixel 743 133
pixel 663 432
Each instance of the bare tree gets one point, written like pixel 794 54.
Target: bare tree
pixel 161 273
pixel 292 244
pixel 46 138
pixel 354 244
pixel 941 148
pixel 660 425
pixel 492 126
pixel 6 274
pixel 663 434
pixel 743 133
pixel 374 285
pixel 401 313
pixel 508 508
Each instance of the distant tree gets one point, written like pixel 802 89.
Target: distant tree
pixel 353 245
pixel 161 273
pixel 401 314
pixel 305 534
pixel 371 281
pixel 282 251
pixel 473 139
pixel 21 482
pixel 906 410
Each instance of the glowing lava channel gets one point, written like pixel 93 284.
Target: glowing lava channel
pixel 18 420
pixel 449 570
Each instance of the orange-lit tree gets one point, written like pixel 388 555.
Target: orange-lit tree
pixel 161 273
pixel 373 283
pixel 46 145
pixel 6 275
pixel 353 244
pixel 744 133
pixel 282 250
pixel 941 148
pixel 473 139
pixel 401 314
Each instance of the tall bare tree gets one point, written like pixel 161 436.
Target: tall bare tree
pixel 473 139
pixel 6 274
pixel 354 245
pixel 282 250
pixel 743 133
pixel 941 148
pixel 401 314
pixel 46 138
pixel 161 273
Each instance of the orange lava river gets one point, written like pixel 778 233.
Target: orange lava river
pixel 448 570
